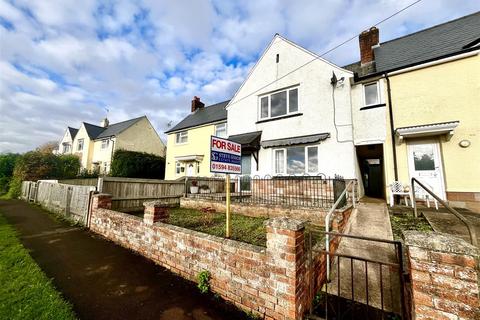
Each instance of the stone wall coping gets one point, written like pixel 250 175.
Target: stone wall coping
pixel 102 195
pixel 285 223
pixel 159 203
pixel 442 242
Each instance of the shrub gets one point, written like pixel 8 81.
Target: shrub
pixel 69 166
pixel 7 164
pixel 204 281
pixel 133 164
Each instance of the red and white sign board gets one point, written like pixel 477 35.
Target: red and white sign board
pixel 225 156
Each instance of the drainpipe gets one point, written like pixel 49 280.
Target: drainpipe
pixel 392 127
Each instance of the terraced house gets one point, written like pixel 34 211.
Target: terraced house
pixel 95 145
pixel 421 92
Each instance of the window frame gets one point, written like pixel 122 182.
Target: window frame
pixel 269 103
pixel 365 85
pixel 285 160
pixel 180 134
pixel 105 144
pixel 80 142
pixel 178 168
pixel 224 124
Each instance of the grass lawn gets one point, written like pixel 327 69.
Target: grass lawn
pixel 245 229
pixel 25 291
pixel 402 219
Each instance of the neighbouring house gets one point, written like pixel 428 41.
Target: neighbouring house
pixel 415 106
pixel 95 145
pixel 188 152
pixel 292 115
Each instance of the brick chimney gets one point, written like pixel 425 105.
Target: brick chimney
pixel 197 104
pixel 367 39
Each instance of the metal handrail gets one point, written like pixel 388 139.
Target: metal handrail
pixel 471 230
pixel 327 222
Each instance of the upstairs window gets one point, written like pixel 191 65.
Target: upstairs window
pixel 181 137
pixel 80 145
pixel 66 147
pixel 279 103
pixel 221 130
pixel 105 143
pixel 372 94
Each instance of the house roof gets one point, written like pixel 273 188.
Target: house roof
pixel 72 131
pixel 210 114
pixel 97 132
pixel 439 41
pixel 116 128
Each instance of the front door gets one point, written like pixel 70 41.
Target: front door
pixel 425 164
pixel 246 171
pixel 190 170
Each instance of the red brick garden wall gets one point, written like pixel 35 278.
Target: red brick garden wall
pixel 444 272
pixel 270 281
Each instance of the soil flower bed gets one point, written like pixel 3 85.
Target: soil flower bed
pixel 403 219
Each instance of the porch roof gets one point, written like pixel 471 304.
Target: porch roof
pixel 193 157
pixel 432 129
pixel 295 140
pixel 249 141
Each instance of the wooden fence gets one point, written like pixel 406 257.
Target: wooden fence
pixel 68 200
pixel 129 194
pixel 81 182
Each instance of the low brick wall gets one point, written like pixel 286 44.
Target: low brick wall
pixel 444 273
pixel 314 215
pixel 270 282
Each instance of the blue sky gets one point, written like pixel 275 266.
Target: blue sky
pixel 63 62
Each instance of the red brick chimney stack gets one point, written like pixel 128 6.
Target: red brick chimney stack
pixel 197 104
pixel 367 39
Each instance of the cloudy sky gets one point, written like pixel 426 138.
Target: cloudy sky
pixel 63 62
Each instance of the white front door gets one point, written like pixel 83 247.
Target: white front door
pixel 425 164
pixel 190 170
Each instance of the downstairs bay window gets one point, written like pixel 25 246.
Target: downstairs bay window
pixel 297 160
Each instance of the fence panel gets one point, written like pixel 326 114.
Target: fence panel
pixel 128 194
pixel 80 182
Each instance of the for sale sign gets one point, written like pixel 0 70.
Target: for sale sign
pixel 225 156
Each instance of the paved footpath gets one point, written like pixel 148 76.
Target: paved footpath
pixel 370 220
pixel 103 280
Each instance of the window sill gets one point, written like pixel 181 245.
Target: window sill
pixel 373 106
pixel 279 118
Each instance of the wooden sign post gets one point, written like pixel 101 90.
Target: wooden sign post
pixel 226 157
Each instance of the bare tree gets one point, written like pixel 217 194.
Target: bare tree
pixel 47 147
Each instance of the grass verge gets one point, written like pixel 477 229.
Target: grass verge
pixel 25 291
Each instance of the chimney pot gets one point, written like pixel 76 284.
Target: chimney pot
pixel 367 39
pixel 197 104
pixel 104 123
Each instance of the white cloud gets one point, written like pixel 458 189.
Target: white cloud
pixel 63 61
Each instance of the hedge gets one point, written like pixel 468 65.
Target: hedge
pixel 131 164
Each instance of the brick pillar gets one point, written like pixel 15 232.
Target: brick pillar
pixel 444 272
pixel 287 258
pixel 155 211
pixel 102 201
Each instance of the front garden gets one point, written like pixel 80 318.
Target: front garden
pixel 403 219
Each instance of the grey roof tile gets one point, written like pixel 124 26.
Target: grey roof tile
pixel 73 132
pixel 204 115
pixel 116 128
pixel 435 42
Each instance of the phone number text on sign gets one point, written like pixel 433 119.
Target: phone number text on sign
pixel 225 156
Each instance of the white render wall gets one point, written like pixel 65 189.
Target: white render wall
pixel 370 124
pixel 314 102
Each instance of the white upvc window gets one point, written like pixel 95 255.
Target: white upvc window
pixel 371 93
pixel 80 144
pixel 105 143
pixel 296 160
pixel 221 130
pixel 179 168
pixel 66 147
pixel 278 104
pixel 181 137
